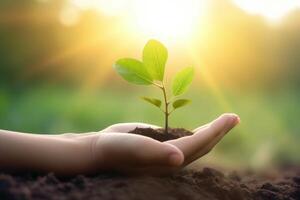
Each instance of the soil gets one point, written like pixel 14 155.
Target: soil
pixel 206 183
pixel 160 135
pixel 185 185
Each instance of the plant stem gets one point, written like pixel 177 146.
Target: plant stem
pixel 166 109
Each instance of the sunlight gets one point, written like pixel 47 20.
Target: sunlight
pixel 210 80
pixel 273 10
pixel 167 19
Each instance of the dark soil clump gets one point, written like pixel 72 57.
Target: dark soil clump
pixel 160 135
pixel 186 185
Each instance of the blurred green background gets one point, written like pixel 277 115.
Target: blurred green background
pixel 56 74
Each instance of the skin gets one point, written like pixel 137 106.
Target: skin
pixel 112 149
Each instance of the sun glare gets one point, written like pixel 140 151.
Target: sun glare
pixel 167 19
pixel 164 20
pixel 273 10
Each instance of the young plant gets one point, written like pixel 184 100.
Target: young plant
pixel 150 71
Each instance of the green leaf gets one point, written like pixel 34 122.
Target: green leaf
pixel 182 81
pixel 155 56
pixel 133 71
pixel 152 101
pixel 180 103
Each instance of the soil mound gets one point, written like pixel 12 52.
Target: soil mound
pixel 186 185
pixel 160 135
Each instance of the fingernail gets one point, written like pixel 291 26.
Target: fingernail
pixel 232 121
pixel 238 120
pixel 175 159
pixel 234 118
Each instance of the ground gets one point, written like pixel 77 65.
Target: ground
pixel 207 183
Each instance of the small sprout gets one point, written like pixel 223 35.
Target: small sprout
pixel 151 72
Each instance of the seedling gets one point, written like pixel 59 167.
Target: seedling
pixel 150 71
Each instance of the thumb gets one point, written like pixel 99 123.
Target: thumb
pixel 126 150
pixel 160 154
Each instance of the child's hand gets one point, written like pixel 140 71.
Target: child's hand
pixel 111 149
pixel 115 149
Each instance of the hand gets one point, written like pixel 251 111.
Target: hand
pixel 115 149
pixel 111 149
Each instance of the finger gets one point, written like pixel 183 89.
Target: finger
pixel 201 127
pixel 191 145
pixel 129 150
pixel 127 127
pixel 211 144
pixel 223 133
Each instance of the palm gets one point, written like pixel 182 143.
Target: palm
pixel 132 153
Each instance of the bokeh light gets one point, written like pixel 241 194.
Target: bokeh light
pixel 273 10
